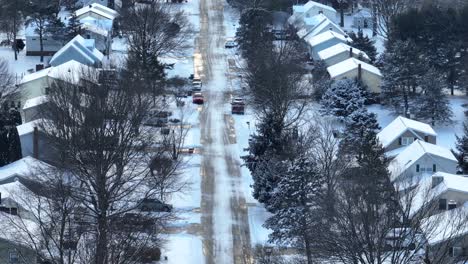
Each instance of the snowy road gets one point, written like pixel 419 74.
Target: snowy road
pixel 224 219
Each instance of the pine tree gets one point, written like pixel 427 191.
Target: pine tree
pixel 462 150
pixel 433 104
pixel 365 44
pixel 293 206
pixel 402 69
pixel 320 79
pixel 360 127
pixel 73 27
pixel 56 29
pixel 4 146
pixel 14 145
pixel 343 98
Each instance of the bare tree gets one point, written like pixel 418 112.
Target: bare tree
pixel 11 20
pixel 152 31
pixel 8 90
pixel 384 11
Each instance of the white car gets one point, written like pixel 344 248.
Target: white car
pixel 230 44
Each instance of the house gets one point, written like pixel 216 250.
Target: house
pixel 340 52
pixel 34 108
pixel 438 193
pixel 80 50
pixel 37 84
pixel 402 132
pixel 446 235
pixel 353 68
pixel 34 142
pixel 324 26
pixel 363 19
pixel 15 244
pixel 97 11
pixel 311 9
pixel 90 29
pixel 422 158
pixel 323 41
pixel 50 45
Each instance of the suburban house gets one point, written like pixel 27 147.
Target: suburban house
pixel 402 132
pixel 15 246
pixel 307 24
pixel 422 159
pixel 78 49
pixel 311 9
pixel 50 44
pixel 324 26
pixel 102 37
pixel 363 19
pixel 37 83
pixel 33 108
pixel 438 193
pixel 19 170
pixel 323 41
pixel 447 232
pixel 353 68
pixel 33 142
pixel 340 52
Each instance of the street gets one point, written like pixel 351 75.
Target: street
pixel 225 226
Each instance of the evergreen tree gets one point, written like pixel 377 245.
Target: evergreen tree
pixel 14 145
pixel 56 29
pixel 365 44
pixel 73 27
pixel 342 99
pixel 320 79
pixel 401 71
pixel 4 146
pixel 360 127
pixel 433 104
pixel 293 205
pixel 462 150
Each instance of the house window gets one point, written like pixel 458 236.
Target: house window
pixel 33 39
pixel 426 169
pixel 405 141
pixel 456 251
pixel 442 204
pixel 47 90
pixel 14 258
pixel 426 138
pixel 417 167
pixel 452 205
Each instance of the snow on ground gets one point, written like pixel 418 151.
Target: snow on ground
pixel 24 65
pixel 379 40
pixel 446 134
pixel 183 249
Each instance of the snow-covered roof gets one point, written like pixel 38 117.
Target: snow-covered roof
pixel 326 24
pixel 350 65
pixel 446 225
pixel 88 52
pixel 414 152
pixel 338 49
pixel 35 101
pixel 22 167
pixel 399 126
pixel 325 36
pixel 312 4
pixel 97 9
pixel 309 23
pixel 28 127
pixel 70 70
pixel 363 13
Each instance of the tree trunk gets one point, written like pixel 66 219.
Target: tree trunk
pixel 41 44
pixel 341 15
pixel 101 247
pixel 308 249
pixel 374 21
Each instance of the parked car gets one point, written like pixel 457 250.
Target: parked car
pixel 196 87
pixel 154 205
pixel 197 98
pixel 238 106
pixel 230 44
pixel 158 118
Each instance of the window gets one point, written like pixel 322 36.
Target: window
pixel 456 251
pixel 434 168
pixel 33 39
pixel 405 141
pixel 47 90
pixel 417 167
pixel 452 205
pixel 14 257
pixel 442 204
pixel 426 138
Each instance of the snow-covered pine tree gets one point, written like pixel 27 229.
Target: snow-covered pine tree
pixel 343 98
pixel 462 150
pixel 73 28
pixel 293 204
pixel 361 126
pixel 433 104
pixel 320 79
pixel 365 44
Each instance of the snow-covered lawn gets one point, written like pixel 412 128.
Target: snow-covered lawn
pixel 183 249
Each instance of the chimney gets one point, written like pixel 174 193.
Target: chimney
pixel 350 52
pixel 36 143
pixel 359 71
